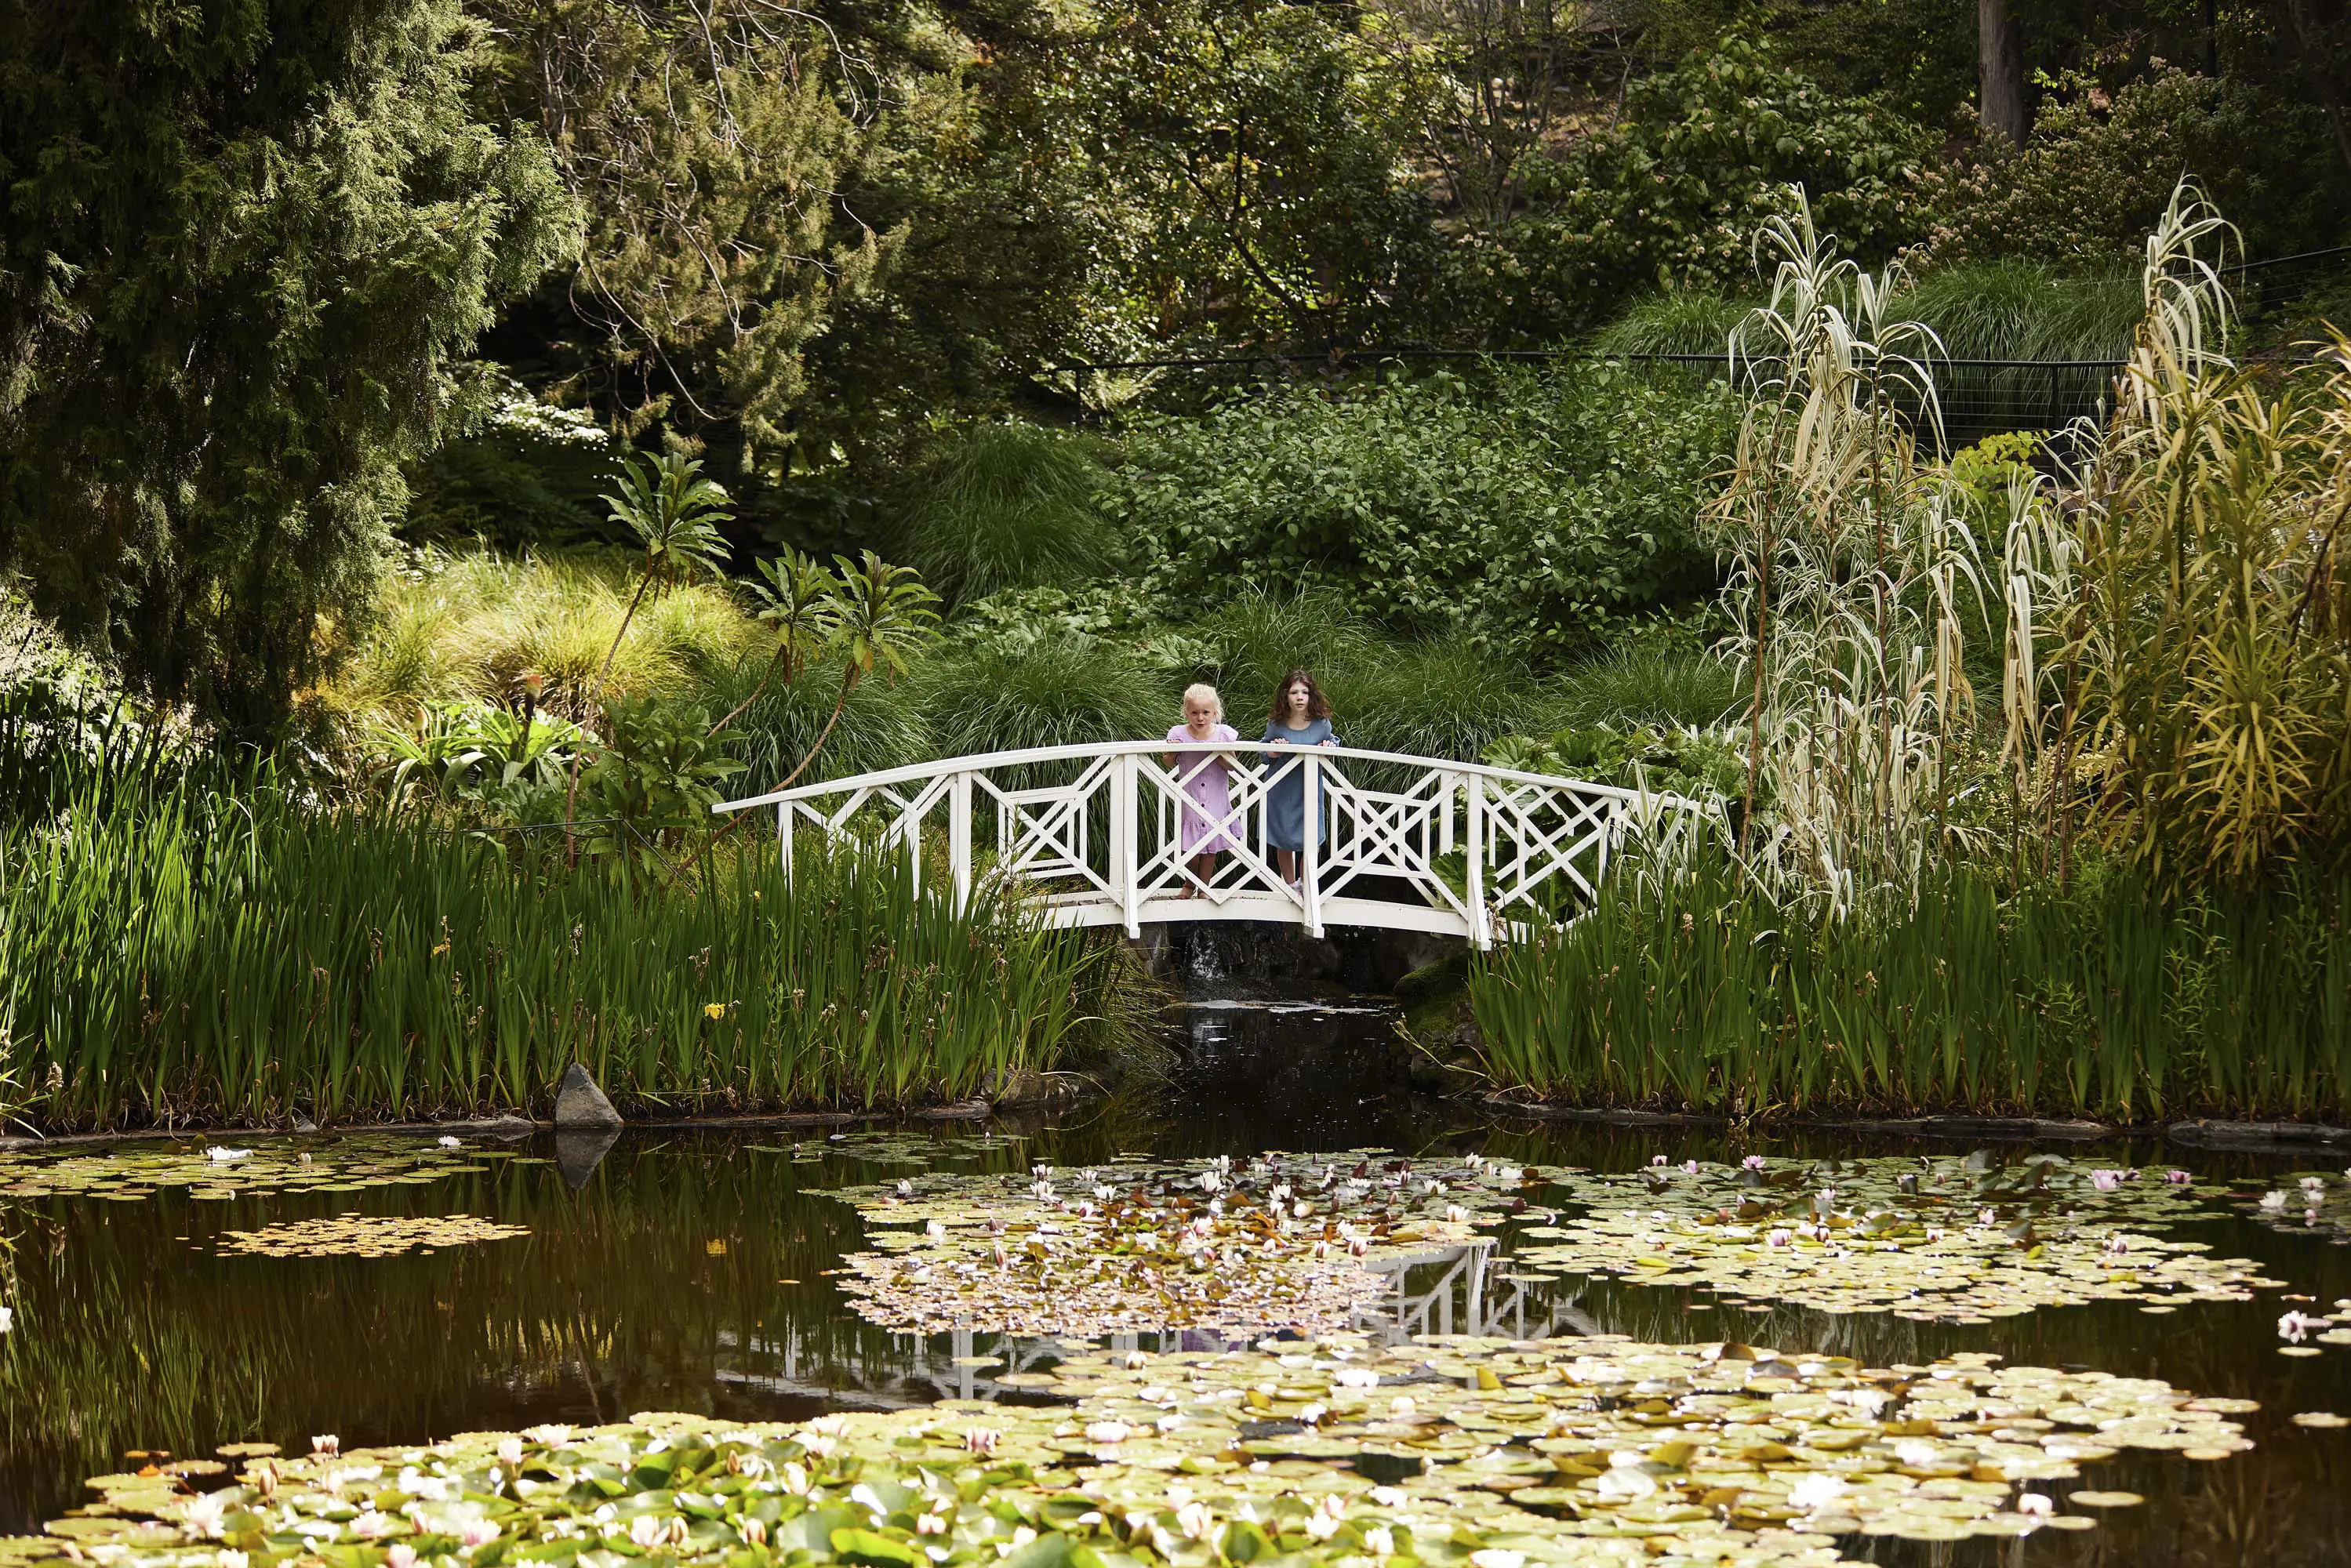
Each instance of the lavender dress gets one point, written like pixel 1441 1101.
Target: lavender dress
pixel 1206 786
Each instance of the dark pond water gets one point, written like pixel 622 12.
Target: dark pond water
pixel 688 1273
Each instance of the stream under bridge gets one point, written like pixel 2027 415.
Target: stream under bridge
pixel 1406 843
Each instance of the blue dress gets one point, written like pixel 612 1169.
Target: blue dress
pixel 1285 803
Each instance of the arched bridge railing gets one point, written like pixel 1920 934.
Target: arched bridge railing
pixel 1405 842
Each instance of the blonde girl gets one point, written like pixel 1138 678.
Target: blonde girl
pixel 1205 782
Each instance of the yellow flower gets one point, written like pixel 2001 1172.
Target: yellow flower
pixel 441 949
pixel 714 1009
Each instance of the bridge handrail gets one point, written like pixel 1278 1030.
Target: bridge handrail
pixel 983 761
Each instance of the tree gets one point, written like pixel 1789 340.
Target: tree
pixel 709 145
pixel 242 250
pixel 675 514
pixel 882 613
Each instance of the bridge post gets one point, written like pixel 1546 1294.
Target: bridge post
pixel 959 838
pixel 1474 884
pixel 1123 878
pixel 1310 879
pixel 784 837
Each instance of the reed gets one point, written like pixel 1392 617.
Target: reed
pixel 2110 1000
pixel 175 950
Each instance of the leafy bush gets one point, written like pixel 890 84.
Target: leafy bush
pixel 1693 763
pixel 2098 171
pixel 1674 191
pixel 1535 509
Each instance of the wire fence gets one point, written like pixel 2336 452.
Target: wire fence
pixel 1976 397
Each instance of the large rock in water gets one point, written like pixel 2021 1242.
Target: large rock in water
pixel 580 1106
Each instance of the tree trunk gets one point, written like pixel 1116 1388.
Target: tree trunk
pixel 1999 72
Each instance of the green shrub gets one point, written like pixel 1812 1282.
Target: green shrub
pixel 1532 510
pixel 2099 173
pixel 1673 192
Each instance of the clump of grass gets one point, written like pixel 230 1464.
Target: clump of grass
pixel 1446 697
pixel 1673 322
pixel 1650 681
pixel 215 949
pixel 1257 637
pixel 882 724
pixel 1005 504
pixel 2025 310
pixel 476 625
pixel 2112 1001
pixel 1060 689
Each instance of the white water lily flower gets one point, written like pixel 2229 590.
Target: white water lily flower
pixel 905 1187
pixel 1915 1453
pixel 1814 1492
pixel 1783 1237
pixel 552 1436
pixel 1105 1192
pixel 1108 1432
pixel 449 1143
pixel 2295 1327
pixel 510 1452
pixel 398 1554
pixel 479 1532
pixel 2273 1199
pixel 795 1478
pixel 1194 1521
pixel 372 1526
pixel 647 1531
pixel 1210 1181
pixel 2035 1504
pixel 221 1156
pixel 1510 1173
pixel 7 1319
pixel 1495 1557
pixel 1388 1497
pixel 1456 1215
pixel 936 1230
pixel 1354 1377
pixel 1380 1541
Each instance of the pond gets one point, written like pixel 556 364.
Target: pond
pixel 162 1316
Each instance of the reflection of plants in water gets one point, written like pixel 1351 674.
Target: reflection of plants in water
pixel 615 1302
pixel 1128 1246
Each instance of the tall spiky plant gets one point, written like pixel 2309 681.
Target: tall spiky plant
pixel 2192 586
pixel 1851 573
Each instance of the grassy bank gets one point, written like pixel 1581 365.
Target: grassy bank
pixel 2110 1002
pixel 182 951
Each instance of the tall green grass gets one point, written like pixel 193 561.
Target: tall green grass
pixel 1005 505
pixel 175 950
pixel 2109 1002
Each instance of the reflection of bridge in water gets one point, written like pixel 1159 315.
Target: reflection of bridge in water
pixel 1454 1289
pixel 1408 843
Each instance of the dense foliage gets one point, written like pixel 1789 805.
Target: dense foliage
pixel 1534 510
pixel 246 250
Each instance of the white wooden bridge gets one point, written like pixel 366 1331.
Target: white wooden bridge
pixel 1406 842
